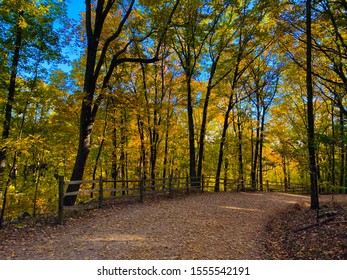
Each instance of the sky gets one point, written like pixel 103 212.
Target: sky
pixel 74 8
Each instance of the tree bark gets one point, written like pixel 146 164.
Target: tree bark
pixel 261 186
pixel 114 168
pixel 310 113
pixel 143 164
pixel 333 177
pixel 231 103
pixel 240 154
pixel 123 153
pixel 285 173
pixel 191 129
pixel 342 177
pixel 257 143
pixel 222 141
pixel 204 116
pixel 101 146
pixel 166 151
pixel 166 145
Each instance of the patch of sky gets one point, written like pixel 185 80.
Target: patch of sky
pixel 71 51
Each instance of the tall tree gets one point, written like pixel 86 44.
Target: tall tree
pixel 244 52
pixel 28 37
pixel 310 113
pixel 263 82
pixel 218 43
pixel 96 62
pixel 11 89
pixel 192 30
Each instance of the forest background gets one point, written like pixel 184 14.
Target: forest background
pixel 160 88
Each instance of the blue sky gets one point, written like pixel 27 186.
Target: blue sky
pixel 75 7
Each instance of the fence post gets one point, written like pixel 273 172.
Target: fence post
pixel 170 187
pixel 101 191
pixel 202 183
pixel 187 184
pixel 142 182
pixel 179 179
pixel 61 200
pixel 267 186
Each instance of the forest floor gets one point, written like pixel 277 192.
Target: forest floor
pixel 296 234
pixel 199 226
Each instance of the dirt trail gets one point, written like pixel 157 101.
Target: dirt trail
pixel 204 226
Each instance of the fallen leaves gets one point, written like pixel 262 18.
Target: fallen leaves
pixel 199 226
pixel 324 241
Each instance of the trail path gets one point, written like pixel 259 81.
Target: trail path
pixel 203 226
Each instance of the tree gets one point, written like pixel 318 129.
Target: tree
pixel 310 114
pixel 29 39
pixel 244 52
pixel 331 73
pixel 218 43
pixel 189 39
pixel 329 51
pixel 263 83
pixel 95 62
pixel 24 20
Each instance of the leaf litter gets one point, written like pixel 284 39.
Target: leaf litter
pixel 198 226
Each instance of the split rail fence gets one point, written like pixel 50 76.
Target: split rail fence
pixel 102 189
pixel 93 193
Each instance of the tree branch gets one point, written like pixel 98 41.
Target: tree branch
pixel 114 36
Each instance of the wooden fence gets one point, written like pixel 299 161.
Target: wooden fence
pixel 101 189
pixel 92 193
pixel 235 185
pixel 290 188
pixel 296 188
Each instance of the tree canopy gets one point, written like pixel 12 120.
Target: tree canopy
pixel 170 87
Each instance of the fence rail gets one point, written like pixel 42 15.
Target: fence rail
pixel 103 188
pixel 127 189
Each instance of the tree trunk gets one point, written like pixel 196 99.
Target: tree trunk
pixel 240 155
pixel 231 104
pixel 262 125
pixel 226 168
pixel 166 146
pixel 100 149
pixel 87 117
pixel 285 174
pixel 11 93
pixel 4 201
pixel 333 177
pixel 143 166
pixel 342 178
pixel 204 118
pixel 256 148
pixel 153 121
pixel 37 183
pixel 310 113
pixel 123 153
pixel 114 168
pixel 192 165
pixel 154 143
pixel 238 130
pixel 87 123
pixel 222 141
